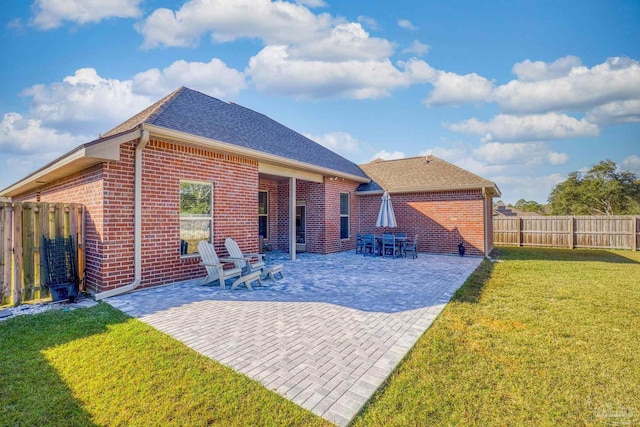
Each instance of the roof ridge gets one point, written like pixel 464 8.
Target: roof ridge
pixel 152 112
pixel 379 159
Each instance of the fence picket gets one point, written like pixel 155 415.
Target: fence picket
pixel 22 226
pixel 28 247
pixel 605 232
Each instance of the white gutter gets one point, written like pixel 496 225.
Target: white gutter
pixel 137 223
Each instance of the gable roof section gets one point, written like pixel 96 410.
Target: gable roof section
pixel 418 174
pixel 192 112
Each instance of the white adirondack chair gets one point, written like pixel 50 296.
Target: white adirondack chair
pixel 243 261
pixel 215 270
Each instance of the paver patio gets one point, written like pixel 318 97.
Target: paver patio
pixel 325 336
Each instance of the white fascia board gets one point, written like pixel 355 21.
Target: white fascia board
pixel 493 190
pixel 289 173
pixel 260 156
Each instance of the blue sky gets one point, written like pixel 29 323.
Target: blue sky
pixel 519 92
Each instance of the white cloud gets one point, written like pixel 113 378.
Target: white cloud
pixel 22 136
pixel 616 112
pixel 406 24
pixel 455 89
pixel 50 14
pixel 480 168
pixel 580 88
pixel 417 47
pixel 85 99
pixel 345 42
pixel 385 155
pixel 213 78
pixel 86 102
pixel 510 154
pixel 528 187
pixel 339 142
pixel 227 20
pixel 528 71
pixel 631 163
pixel 312 3
pixel 538 127
pixel 450 154
pixel 368 22
pixel 273 70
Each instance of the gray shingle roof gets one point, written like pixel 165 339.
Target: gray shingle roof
pixel 193 112
pixel 420 174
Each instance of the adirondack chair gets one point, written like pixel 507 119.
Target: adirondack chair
pixel 243 261
pixel 215 270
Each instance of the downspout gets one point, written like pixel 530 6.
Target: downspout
pixel 137 222
pixel 484 215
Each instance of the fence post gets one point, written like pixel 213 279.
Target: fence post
pixel 572 232
pixel 519 228
pixel 7 246
pixel 17 253
pixel 634 237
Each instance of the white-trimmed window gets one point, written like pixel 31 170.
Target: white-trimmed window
pixel 196 215
pixel 263 214
pixel 344 215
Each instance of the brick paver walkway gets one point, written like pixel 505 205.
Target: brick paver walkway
pixel 325 336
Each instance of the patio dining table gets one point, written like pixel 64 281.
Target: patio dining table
pixel 400 240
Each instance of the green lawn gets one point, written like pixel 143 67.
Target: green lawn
pixel 545 337
pixel 99 367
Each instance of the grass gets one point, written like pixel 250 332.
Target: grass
pixel 98 367
pixel 544 337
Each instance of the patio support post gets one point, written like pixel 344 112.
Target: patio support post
pixel 292 218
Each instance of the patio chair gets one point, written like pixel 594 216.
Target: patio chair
pixel 389 245
pixel 215 270
pixel 401 234
pixel 243 261
pixel 359 243
pixel 369 247
pixel 411 247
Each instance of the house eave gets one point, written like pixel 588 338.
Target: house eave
pixel 260 156
pixel 491 189
pixel 82 157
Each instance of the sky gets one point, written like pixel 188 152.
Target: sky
pixel 518 92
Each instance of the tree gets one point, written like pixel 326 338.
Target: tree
pixel 528 206
pixel 603 190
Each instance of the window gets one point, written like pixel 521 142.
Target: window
pixel 344 215
pixel 196 215
pixel 263 214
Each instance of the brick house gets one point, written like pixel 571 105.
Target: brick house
pixel 440 202
pixel 192 167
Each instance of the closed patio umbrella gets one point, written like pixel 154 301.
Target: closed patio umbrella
pixel 386 217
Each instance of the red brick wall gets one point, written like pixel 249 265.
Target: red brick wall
pixel 87 188
pixel 322 202
pixel 106 190
pixel 441 219
pixel 235 206
pixel 271 187
pixel 332 241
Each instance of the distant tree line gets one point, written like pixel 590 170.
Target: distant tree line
pixel 602 190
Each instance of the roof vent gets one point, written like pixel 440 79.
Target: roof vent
pixel 428 158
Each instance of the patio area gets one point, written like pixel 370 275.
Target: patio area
pixel 325 336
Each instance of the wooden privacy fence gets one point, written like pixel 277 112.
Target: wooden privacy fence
pixel 22 226
pixel 604 232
